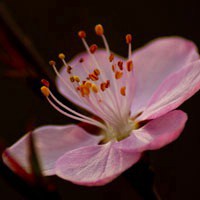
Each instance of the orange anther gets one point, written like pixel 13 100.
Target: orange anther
pixel 107 83
pixel 82 34
pixel 45 91
pixel 85 91
pixel 113 68
pixel 96 72
pixel 103 86
pixel 128 38
pixel 123 91
pixel 111 57
pixel 120 65
pixel 93 48
pixel 129 65
pixel 93 77
pixel 118 74
pixel 99 29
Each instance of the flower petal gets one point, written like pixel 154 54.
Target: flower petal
pixel 156 133
pixel 94 165
pixel 51 142
pixel 156 61
pixel 105 66
pixel 176 89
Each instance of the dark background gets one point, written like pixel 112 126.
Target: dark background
pixel 52 27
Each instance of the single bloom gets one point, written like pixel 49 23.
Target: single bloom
pixel 133 99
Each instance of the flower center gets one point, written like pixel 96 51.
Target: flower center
pixel 106 90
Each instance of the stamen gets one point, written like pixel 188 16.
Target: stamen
pixel 71 110
pixel 123 91
pixel 118 74
pixel 128 41
pixel 111 57
pixel 71 79
pixel 91 121
pixel 45 91
pixel 113 68
pixel 103 86
pixel 45 82
pixel 85 91
pixel 93 48
pixel 97 72
pixel 61 56
pixel 129 65
pixel 94 88
pixel 128 38
pixel 93 77
pixel 88 84
pixel 100 31
pixel 107 84
pixel 120 65
pixel 52 63
pixel 77 79
pixel 69 69
pixel 82 34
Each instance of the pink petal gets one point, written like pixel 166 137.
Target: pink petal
pixel 156 61
pixel 155 134
pixel 51 142
pixel 101 57
pixel 94 165
pixel 176 89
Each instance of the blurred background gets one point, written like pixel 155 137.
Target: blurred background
pixel 33 32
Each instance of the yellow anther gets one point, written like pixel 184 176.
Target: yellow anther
pixel 72 79
pixel 61 56
pixel 52 62
pixel 99 29
pixel 129 65
pixel 128 38
pixel 88 84
pixel 45 91
pixel 96 72
pixel 94 88
pixel 123 91
pixel 118 74
pixel 77 79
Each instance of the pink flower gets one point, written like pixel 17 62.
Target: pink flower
pixel 135 99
